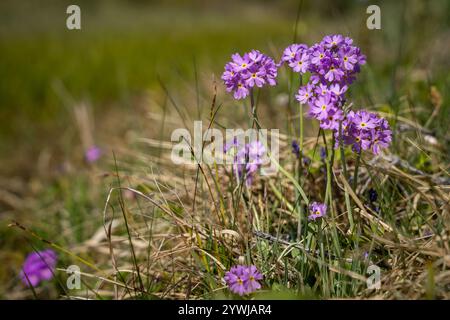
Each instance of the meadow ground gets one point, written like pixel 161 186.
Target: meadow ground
pixel 140 226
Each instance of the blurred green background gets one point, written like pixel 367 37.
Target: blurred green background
pixel 124 46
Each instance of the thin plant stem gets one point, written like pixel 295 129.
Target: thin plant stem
pixel 355 177
pixel 344 169
pixel 253 107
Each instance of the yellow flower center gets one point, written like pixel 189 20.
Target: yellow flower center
pixel 254 75
pixel 324 107
pixel 363 124
pixel 345 58
pixel 321 56
pixel 244 65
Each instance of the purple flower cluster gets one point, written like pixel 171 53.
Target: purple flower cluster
pixel 248 158
pixel 365 131
pixel 38 266
pixel 334 60
pixel 243 280
pixel 317 210
pixel 245 72
pixel 333 64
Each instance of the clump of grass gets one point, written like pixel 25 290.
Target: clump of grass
pixel 171 231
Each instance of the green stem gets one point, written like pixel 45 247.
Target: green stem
pixel 328 167
pixel 355 177
pixel 299 171
pixel 344 169
pixel 253 106
pixel 301 124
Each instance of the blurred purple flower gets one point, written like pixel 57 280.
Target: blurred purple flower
pixel 323 153
pixel 317 210
pixel 249 159
pixel 38 266
pixel 373 195
pixel 243 280
pixel 92 154
pixel 295 148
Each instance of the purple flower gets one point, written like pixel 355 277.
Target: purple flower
pixel 305 94
pixel 373 195
pixel 301 63
pixel 247 71
pixel 321 90
pixel 349 58
pixel 321 107
pixel 317 210
pixel 249 159
pixel 333 64
pixel 235 280
pixel 252 276
pixel 334 73
pixel 290 52
pixel 338 89
pixel 296 149
pixel 365 131
pixel 319 56
pixel 334 116
pixel 243 280
pixel 365 120
pixel 333 41
pixel 92 154
pixel 323 153
pixel 38 266
pixel 230 144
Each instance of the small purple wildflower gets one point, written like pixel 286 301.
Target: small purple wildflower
pixel 38 266
pixel 296 149
pixel 323 153
pixel 366 255
pixel 243 280
pixel 317 210
pixel 230 144
pixel 305 94
pixel 373 195
pixel 247 71
pixel 306 161
pixel 249 159
pixel 92 154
